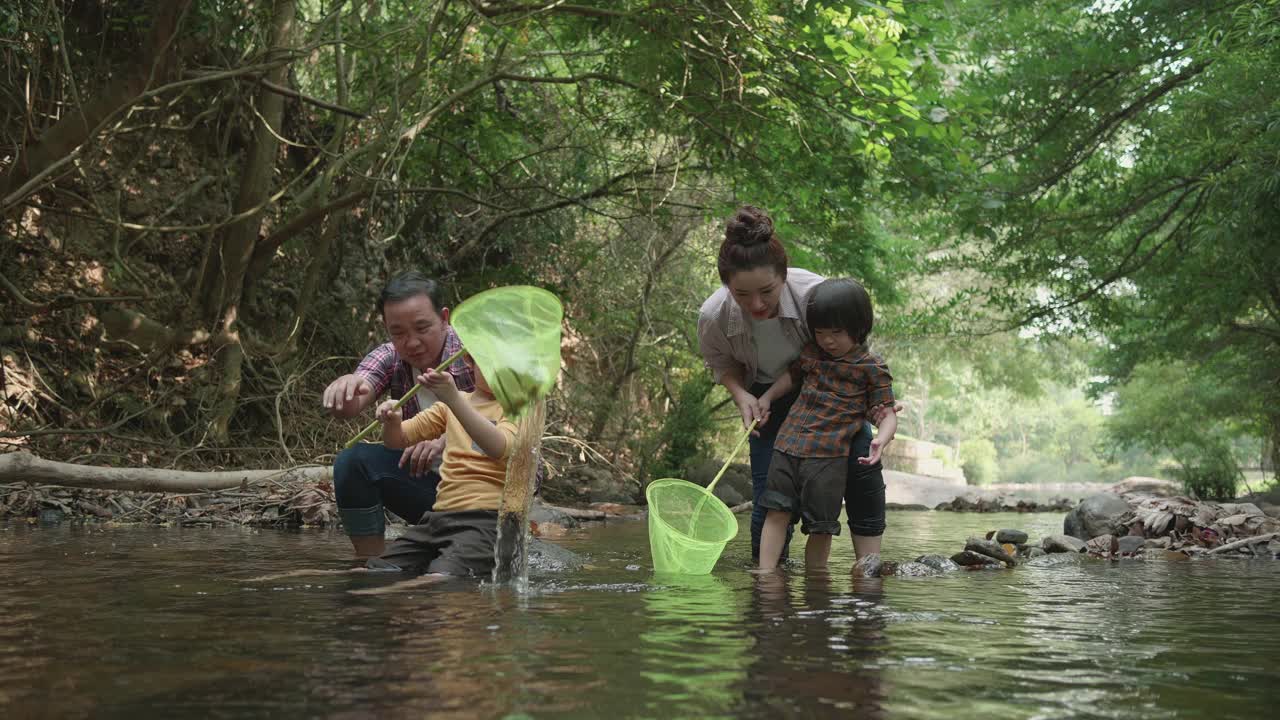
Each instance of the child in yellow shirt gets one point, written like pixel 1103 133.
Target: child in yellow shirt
pixel 457 536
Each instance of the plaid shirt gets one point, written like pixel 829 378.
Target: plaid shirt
pixel 387 373
pixel 837 395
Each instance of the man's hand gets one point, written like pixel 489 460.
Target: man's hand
pixel 419 456
pixel 347 396
pixel 440 383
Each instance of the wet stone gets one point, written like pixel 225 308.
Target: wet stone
pixel 1014 537
pixel 1103 545
pixel 1131 544
pixel 937 562
pixel 971 559
pixel 1062 544
pixel 990 549
pixel 1055 559
pixel 915 569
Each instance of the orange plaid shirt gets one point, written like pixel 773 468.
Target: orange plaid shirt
pixel 836 395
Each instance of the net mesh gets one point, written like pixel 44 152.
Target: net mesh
pixel 513 333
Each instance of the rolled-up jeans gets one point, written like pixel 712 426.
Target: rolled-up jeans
pixel 863 483
pixel 367 478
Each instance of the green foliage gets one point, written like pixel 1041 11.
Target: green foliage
pixel 685 429
pixel 1117 179
pixel 978 460
pixel 1210 472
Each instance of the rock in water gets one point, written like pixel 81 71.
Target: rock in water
pixel 971 559
pixel 1062 544
pixel 915 569
pixel 1059 558
pixel 1013 537
pixel 545 557
pixel 937 562
pixel 991 549
pixel 868 566
pixel 1103 545
pixel 1098 514
pixel 1131 544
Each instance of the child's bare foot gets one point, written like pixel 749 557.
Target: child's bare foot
pixel 409 584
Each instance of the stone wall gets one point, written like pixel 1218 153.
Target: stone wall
pixel 918 457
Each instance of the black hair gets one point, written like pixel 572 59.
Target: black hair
pixel 750 243
pixel 410 284
pixel 841 303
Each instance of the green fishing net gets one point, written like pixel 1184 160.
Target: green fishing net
pixel 513 333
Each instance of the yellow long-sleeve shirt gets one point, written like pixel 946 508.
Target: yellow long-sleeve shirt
pixel 469 479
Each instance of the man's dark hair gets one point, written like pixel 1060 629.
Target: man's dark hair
pixel 407 284
pixel 841 303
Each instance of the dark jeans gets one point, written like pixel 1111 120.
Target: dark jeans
pixel 367 477
pixel 864 488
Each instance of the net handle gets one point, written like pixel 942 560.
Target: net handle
pixel 736 449
pixel 702 502
pixel 412 391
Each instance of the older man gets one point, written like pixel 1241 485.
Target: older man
pixel 368 477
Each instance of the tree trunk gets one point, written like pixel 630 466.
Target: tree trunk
pixel 25 467
pixel 80 124
pixel 223 284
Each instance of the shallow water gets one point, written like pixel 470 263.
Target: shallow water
pixel 146 622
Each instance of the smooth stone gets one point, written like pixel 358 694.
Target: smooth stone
pixel 543 556
pixel 1098 514
pixel 1131 544
pixel 969 558
pixel 1062 544
pixel 1013 537
pixel 990 549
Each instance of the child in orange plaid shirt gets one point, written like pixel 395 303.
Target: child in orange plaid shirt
pixel 843 384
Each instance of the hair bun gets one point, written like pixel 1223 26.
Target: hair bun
pixel 749 226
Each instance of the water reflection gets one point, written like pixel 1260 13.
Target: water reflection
pixel 693 648
pixel 818 637
pixel 143 622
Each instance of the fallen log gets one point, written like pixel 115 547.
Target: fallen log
pixel 25 467
pixel 1244 542
pixel 578 513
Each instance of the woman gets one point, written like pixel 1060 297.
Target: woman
pixel 749 331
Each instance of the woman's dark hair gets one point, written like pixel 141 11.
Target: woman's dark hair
pixel 408 284
pixel 841 303
pixel 750 243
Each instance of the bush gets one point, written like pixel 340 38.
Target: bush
pixel 686 428
pixel 1210 475
pixel 978 461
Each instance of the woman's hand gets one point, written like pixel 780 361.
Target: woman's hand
pixel 752 411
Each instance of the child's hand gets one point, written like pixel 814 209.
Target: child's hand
pixel 878 444
pixel 388 414
pixel 440 383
